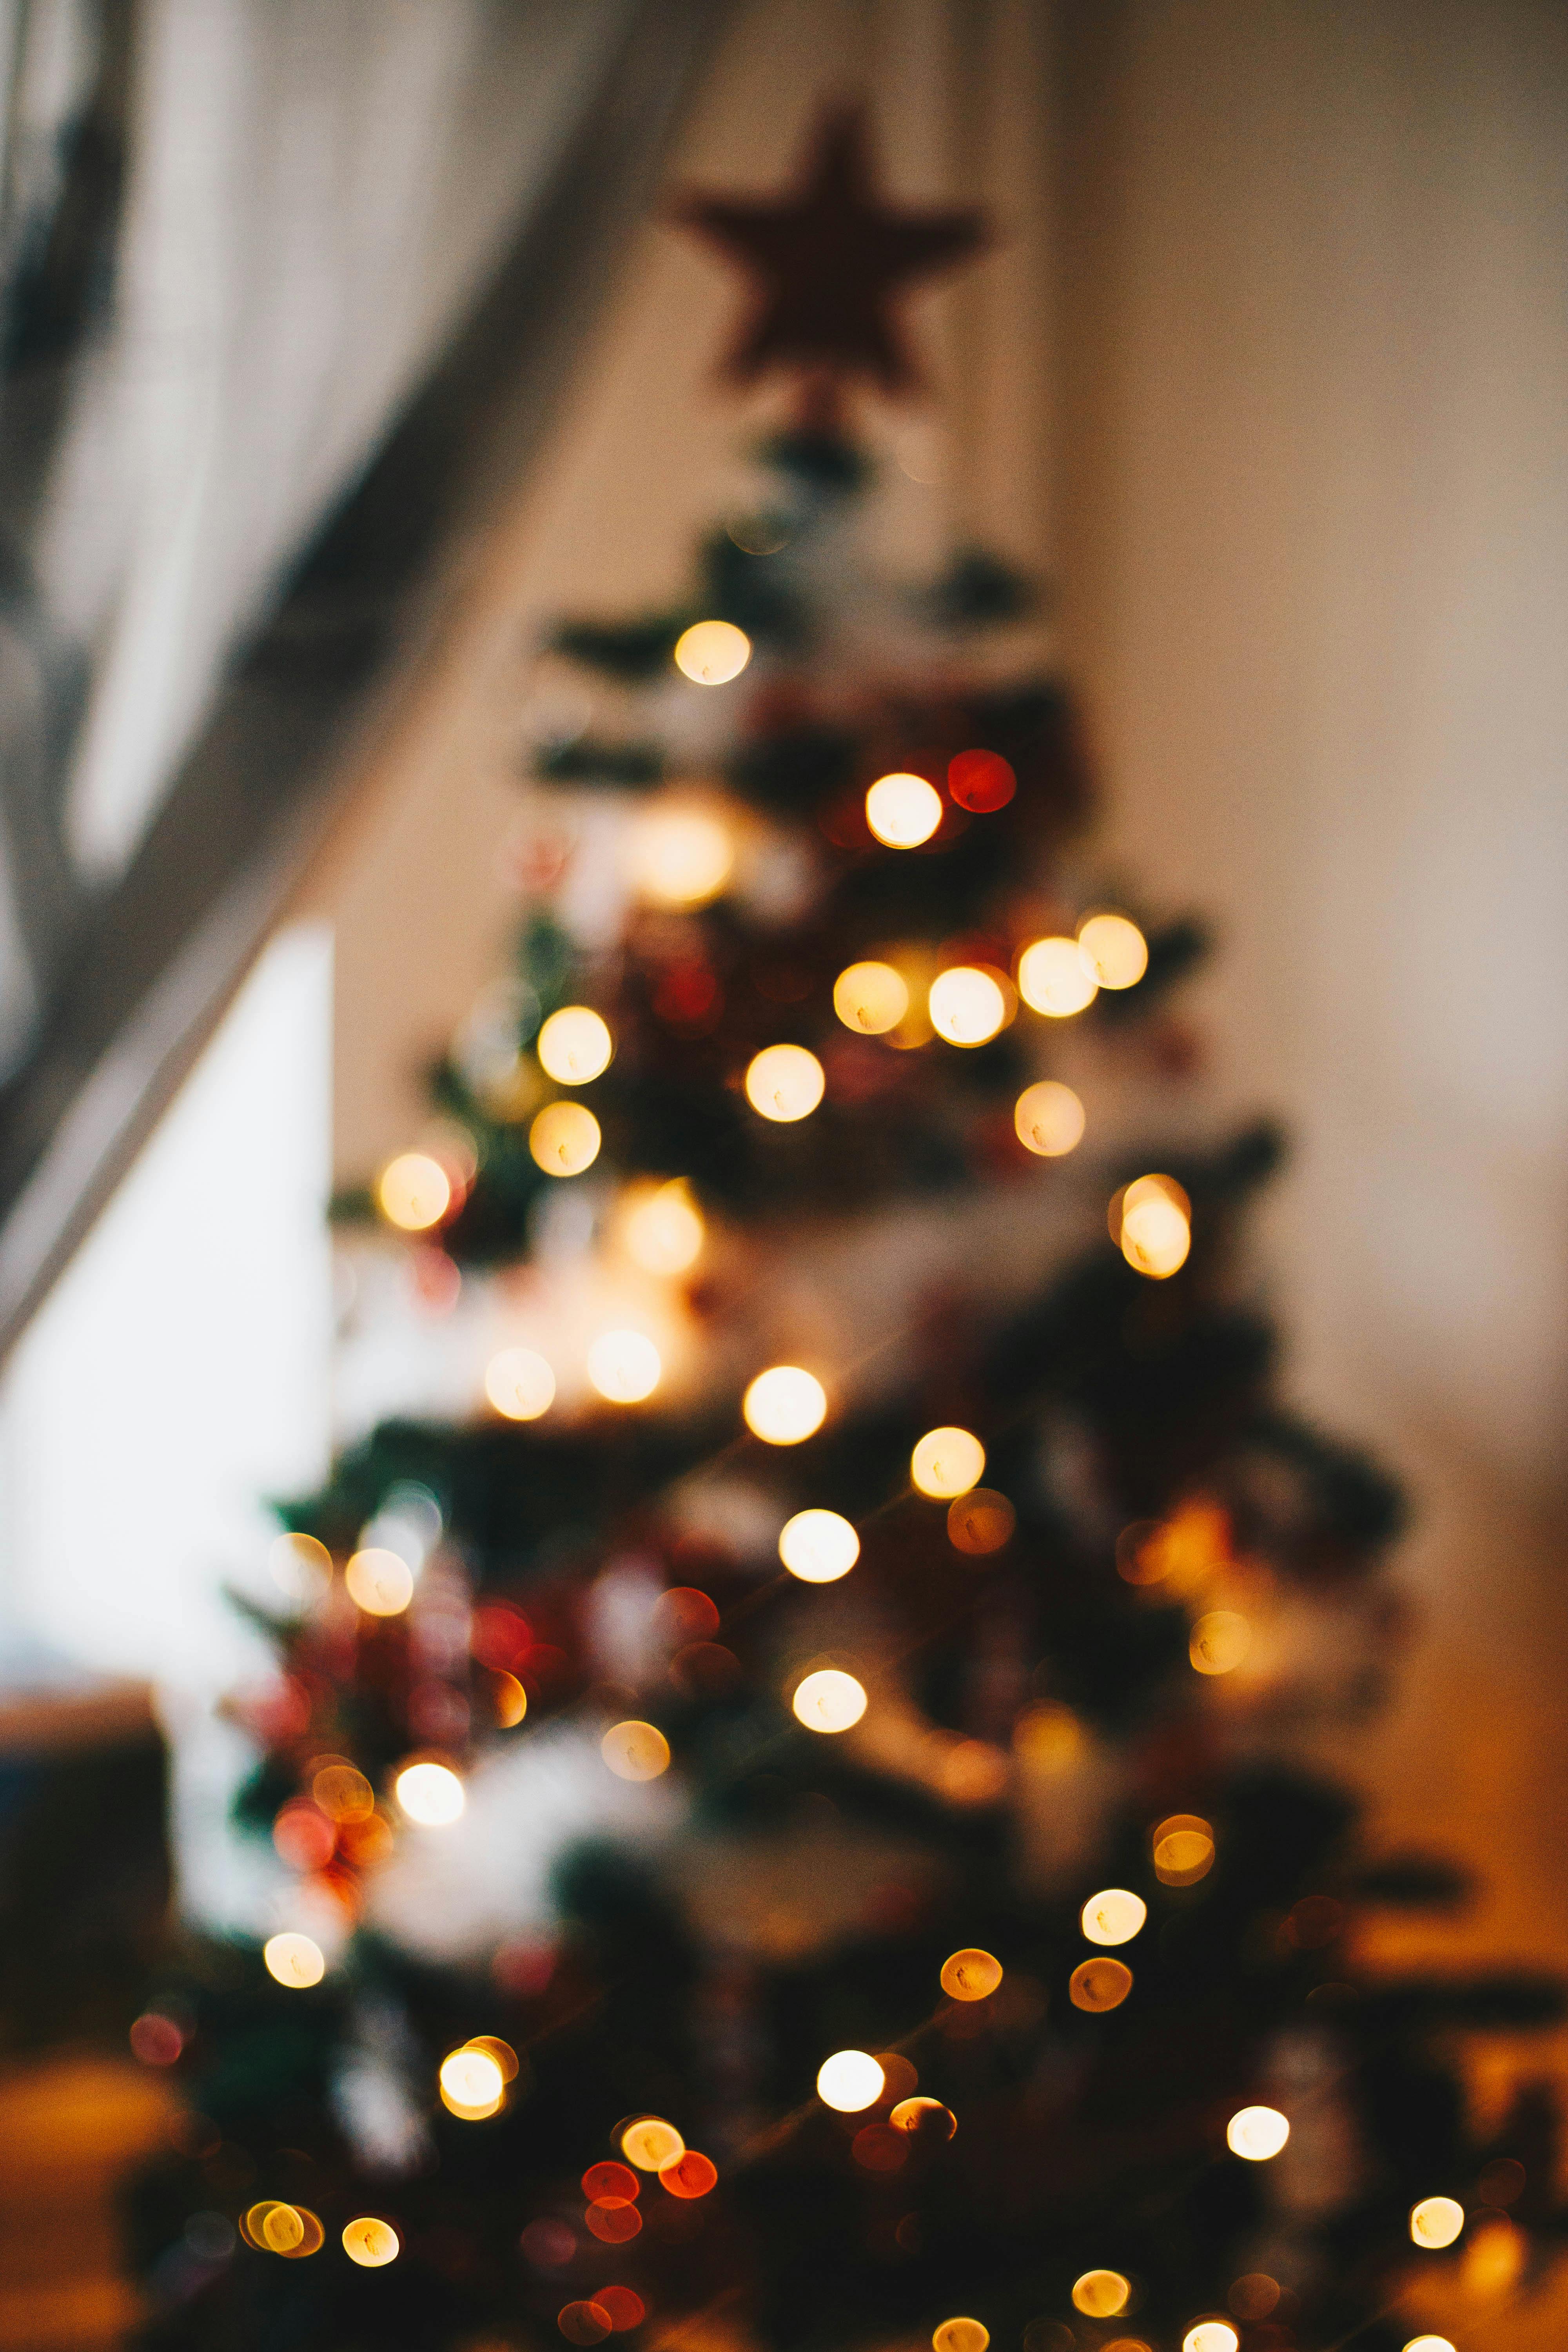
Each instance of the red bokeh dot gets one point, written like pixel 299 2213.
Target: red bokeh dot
pixel 691 2175
pixel 156 2041
pixel 684 1614
pixel 981 781
pixel 626 2309
pixel 500 1636
pixel 583 2323
pixel 610 2180
pixel 614 2219
pixel 303 1836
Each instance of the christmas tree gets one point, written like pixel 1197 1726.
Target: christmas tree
pixel 791 1818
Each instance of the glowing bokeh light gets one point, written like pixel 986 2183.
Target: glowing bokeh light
pixel 1220 1640
pixel 1151 1223
pixel 574 1045
pixel 691 2175
pixel 960 2335
pixel 982 782
pixel 343 1792
pixel 784 1083
pixel 583 2323
pixel 871 998
pixel 849 2080
pixel 924 2118
pixel 680 858
pixel 636 1751
pixel 966 1005
pixel 1048 1120
pixel 1055 977
pixel 971 1974
pixel 1114 1916
pixel 625 2308
pixel 281 2228
pixel 1183 1849
pixel 294 1960
pixel 947 1462
pixel 610 2180
pixel 370 2242
pixel 902 811
pixel 613 2221
pixel 1254 2295
pixel 1436 2222
pixel 300 1566
pixel 784 1405
pixel 980 1521
pixel 1097 1985
pixel 829 1700
pixel 511 1701
pixel 520 1383
pixel 1256 2133
pixel 472 2084
pixel 430 1794
pixel 650 2144
pixel 1211 2335
pixel 564 1138
pixel 1102 2294
pixel 624 1366
pixel 711 653
pixel 1428 2344
pixel 413 1192
pixel 1117 950
pixel 663 1228
pixel 379 1582
pixel 818 1547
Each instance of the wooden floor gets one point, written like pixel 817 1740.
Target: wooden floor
pixel 70 2128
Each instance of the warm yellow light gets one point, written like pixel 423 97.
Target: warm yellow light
pixel 635 1750
pixel 784 1405
pixel 1256 2133
pixel 971 1974
pixel 871 998
pixel 1152 1221
pixel 1183 1849
pixel 650 2144
pixel 1114 1916
pixel 370 2242
pixel 663 1230
pixel 1428 2344
pixel 1050 1118
pixel 1055 976
pixel 511 1701
pixel 947 1462
pixel 829 1700
pixel 1220 1640
pixel 624 1366
pixel 902 811
pixel 519 1384
pixel 711 652
pixel 574 1045
pixel 415 1192
pixel 966 1005
pixel 1436 2221
pixel 379 1582
pixel 818 1547
pixel 281 2229
pixel 960 2335
pixel 430 1794
pixel 1100 2295
pixel 300 1565
pixel 343 1792
pixel 980 1521
pixel 1211 2335
pixel 784 1083
pixel 680 856
pixel 294 1961
pixel 1117 950
pixel 564 1138
pixel 849 2080
pixel 1096 1985
pixel 472 2083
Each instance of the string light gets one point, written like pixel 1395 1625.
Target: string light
pixel 960 2335
pixel 680 856
pixel 871 998
pixel 564 1138
pixel 1183 1849
pixel 1117 952
pixel 1151 1219
pixel 784 1083
pixel 818 1547
pixel 370 2242
pixel 625 1366
pixel 1055 977
pixel 1049 1119
pixel 971 1974
pixel 294 1960
pixel 1113 1916
pixel 947 1462
pixel 650 2144
pixel 1428 2344
pixel 379 1582
pixel 849 2080
pixel 519 1384
pixel 574 1045
pixel 966 1005
pixel 691 2175
pixel 1096 1985
pixel 829 1700
pixel 663 1230
pixel 1435 2222
pixel 413 1192
pixel 430 1794
pixel 635 1750
pixel 472 2084
pixel 1220 1640
pixel 711 653
pixel 1102 2294
pixel 784 1405
pixel 902 811
pixel 1211 2335
pixel 1256 2133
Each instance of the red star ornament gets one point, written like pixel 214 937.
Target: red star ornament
pixel 828 262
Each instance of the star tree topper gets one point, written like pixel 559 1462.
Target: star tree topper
pixel 828 261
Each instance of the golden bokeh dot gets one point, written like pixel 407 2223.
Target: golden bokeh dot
pixel 520 1383
pixel 662 1228
pixel 849 2080
pixel 947 1462
pixel 625 1366
pixel 818 1547
pixel 370 2242
pixel 829 1700
pixel 1183 1849
pixel 980 1521
pixel 1220 1640
pixel 294 1960
pixel 413 1192
pixel 925 2118
pixel 636 1751
pixel 503 2054
pixel 1114 1916
pixel 343 1792
pixel 871 998
pixel 472 2083
pixel 966 1005
pixel 1256 2133
pixel 1117 950
pixel 1102 2294
pixel 1048 1120
pixel 1055 977
pixel 379 1582
pixel 711 653
pixel 1436 2222
pixel 574 1045
pixel 564 1138
pixel 680 856
pixel 430 1794
pixel 784 1405
pixel 1151 1220
pixel 960 2335
pixel 784 1083
pixel 511 1701
pixel 1211 2335
pixel 1100 1984
pixel 650 2144
pixel 1429 2343
pixel 281 2229
pixel 971 1974
pixel 902 810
